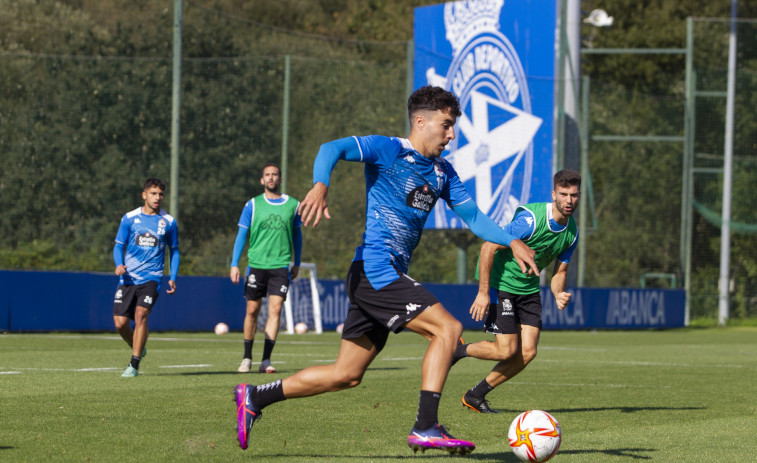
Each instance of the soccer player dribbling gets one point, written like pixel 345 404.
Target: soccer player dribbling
pixel 404 179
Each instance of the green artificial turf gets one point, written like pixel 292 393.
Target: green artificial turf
pixel 685 395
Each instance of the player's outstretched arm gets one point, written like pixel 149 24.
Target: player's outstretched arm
pixel 236 253
pixel 315 205
pixel 480 305
pixel 558 284
pixel 118 258
pixel 484 227
pixel 297 244
pixel 175 257
pixel 524 256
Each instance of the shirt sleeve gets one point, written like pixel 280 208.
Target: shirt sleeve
pixel 122 236
pixel 297 236
pixel 454 192
pixel 566 255
pixel 330 153
pixel 379 150
pixel 523 225
pixel 297 242
pixel 245 218
pixel 118 254
pixel 174 246
pixel 481 225
pixel 238 246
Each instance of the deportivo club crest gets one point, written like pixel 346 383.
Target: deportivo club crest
pixel 493 148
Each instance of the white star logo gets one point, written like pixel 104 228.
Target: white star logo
pixel 489 146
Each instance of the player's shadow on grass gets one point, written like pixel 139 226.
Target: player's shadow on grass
pixel 203 373
pixel 628 453
pixel 260 375
pixel 556 411
pixel 435 454
pixel 507 457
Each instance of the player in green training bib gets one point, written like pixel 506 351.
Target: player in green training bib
pixel 515 320
pixel 273 223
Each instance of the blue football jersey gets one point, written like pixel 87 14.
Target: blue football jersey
pixel 146 237
pixel 402 187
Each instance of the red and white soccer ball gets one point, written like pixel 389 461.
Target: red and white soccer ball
pixel 301 328
pixel 222 328
pixel 535 435
pixel 340 328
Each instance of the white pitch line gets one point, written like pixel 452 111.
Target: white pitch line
pixel 202 365
pixel 649 364
pixel 103 369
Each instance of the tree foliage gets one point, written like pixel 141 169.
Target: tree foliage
pixel 85 116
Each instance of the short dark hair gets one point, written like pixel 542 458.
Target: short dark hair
pixel 151 182
pixel 430 98
pixel 269 164
pixel 566 178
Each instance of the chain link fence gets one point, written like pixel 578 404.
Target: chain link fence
pixel 79 134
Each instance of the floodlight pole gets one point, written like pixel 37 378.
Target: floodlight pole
pixel 725 228
pixel 176 109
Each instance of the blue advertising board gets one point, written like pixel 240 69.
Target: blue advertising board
pixel 499 59
pixel 84 302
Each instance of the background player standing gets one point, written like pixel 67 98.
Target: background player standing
pixel 404 179
pixel 274 226
pixel 139 255
pixel 515 320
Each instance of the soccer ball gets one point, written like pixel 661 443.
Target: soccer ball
pixel 535 435
pixel 339 327
pixel 301 328
pixel 222 328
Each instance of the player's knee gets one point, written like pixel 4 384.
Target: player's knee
pixel 529 354
pixel 140 317
pixel 506 351
pixel 453 331
pixel 347 380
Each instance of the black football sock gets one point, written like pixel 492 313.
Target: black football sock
pixel 461 351
pixel 428 408
pixel 248 349
pixel 267 349
pixel 481 389
pixel 135 362
pixel 267 394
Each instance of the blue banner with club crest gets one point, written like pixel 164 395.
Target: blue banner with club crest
pixel 498 57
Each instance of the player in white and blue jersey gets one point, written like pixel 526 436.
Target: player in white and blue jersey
pixel 139 255
pixel 404 179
